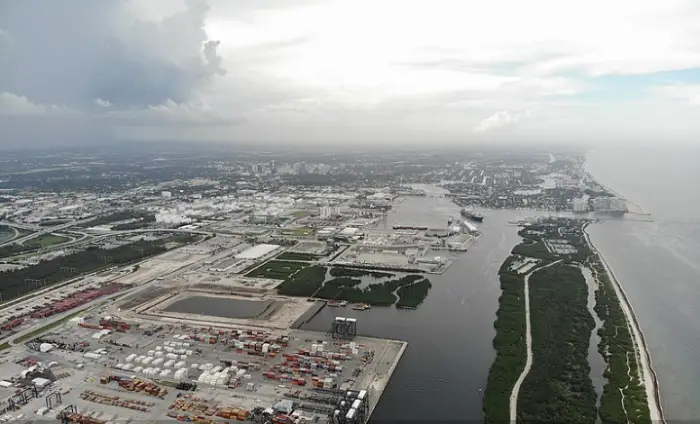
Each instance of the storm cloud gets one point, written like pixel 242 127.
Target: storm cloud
pixel 73 52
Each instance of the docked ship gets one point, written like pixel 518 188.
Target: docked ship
pixel 474 216
pixel 360 306
pixel 337 303
pixel 409 227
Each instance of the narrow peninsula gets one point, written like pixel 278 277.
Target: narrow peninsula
pixel 543 331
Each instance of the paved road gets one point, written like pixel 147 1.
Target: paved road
pixel 528 341
pixel 38 233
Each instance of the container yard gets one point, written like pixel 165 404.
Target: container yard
pixel 33 311
pixel 101 368
pixel 140 357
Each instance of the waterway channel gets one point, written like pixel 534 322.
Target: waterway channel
pixel 595 359
pixel 444 370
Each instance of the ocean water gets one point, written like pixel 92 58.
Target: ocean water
pixel 658 262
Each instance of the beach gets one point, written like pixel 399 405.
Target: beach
pixel 651 383
pixel 649 378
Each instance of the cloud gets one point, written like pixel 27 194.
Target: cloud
pixel 295 71
pixel 172 114
pixel 104 49
pixel 15 105
pixel 102 103
pixel 501 119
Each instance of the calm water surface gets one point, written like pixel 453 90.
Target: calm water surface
pixel 219 307
pixel 658 263
pixel 450 336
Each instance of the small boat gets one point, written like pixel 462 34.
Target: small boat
pixel 360 306
pixel 337 303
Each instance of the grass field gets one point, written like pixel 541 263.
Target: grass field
pixel 45 240
pixel 279 270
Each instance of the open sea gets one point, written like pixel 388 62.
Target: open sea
pixel 658 262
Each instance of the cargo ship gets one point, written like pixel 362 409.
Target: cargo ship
pixel 360 306
pixel 337 303
pixel 409 227
pixel 474 216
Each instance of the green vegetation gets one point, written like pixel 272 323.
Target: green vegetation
pixel 31 245
pixel 45 240
pixel 558 387
pixel 47 327
pixel 13 283
pixel 352 272
pixel 412 295
pixel 305 283
pixel 4 346
pixel 509 344
pixel 297 232
pixel 280 270
pixel 298 256
pixel 534 249
pixel 624 397
pixel 333 288
pixel 184 238
pixel 379 294
pixel 142 216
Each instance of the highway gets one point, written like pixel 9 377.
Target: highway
pixel 38 233
pixel 87 234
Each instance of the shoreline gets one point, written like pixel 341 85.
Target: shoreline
pixel 651 382
pixel 590 176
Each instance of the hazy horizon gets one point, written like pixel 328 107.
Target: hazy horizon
pixel 356 73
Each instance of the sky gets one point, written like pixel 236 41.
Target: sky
pixel 350 72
